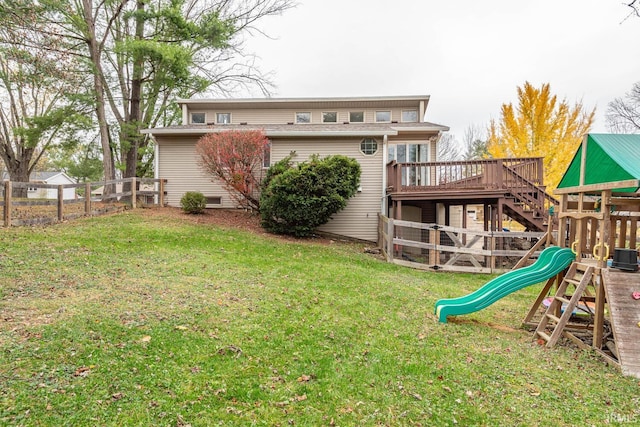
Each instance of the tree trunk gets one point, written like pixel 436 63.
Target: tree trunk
pixel 94 53
pixel 130 131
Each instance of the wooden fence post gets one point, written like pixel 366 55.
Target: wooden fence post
pixel 390 234
pixel 60 202
pixel 133 193
pixel 161 195
pixel 7 203
pixel 87 199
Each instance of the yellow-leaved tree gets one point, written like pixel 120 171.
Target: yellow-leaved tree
pixel 541 126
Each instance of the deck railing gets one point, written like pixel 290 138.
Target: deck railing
pixel 471 174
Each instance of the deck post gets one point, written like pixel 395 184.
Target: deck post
pixel 161 191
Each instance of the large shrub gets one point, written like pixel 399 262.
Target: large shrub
pixel 296 200
pixel 193 202
pixel 235 157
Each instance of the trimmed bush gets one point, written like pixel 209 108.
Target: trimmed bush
pixel 296 200
pixel 193 202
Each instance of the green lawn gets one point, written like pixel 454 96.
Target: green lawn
pixel 137 320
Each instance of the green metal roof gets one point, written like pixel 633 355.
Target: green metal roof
pixel 610 158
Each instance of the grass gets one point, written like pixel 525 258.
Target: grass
pixel 134 320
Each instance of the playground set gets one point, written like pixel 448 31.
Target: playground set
pixel 592 291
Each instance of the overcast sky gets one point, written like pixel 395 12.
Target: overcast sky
pixel 468 55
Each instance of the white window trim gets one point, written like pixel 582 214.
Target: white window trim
pixel 222 123
pixel 377 146
pixel 364 116
pixel 411 121
pixel 383 121
pixel 295 117
pixel 191 113
pixel 324 112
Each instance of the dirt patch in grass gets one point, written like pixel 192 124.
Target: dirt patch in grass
pixel 231 218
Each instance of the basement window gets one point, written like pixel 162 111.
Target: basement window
pixel 214 200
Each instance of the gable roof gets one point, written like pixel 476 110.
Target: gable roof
pixel 610 158
pixel 41 176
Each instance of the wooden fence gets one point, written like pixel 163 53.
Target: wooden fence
pixel 437 247
pixel 86 199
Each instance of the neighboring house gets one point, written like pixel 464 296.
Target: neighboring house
pixel 49 178
pixel 373 130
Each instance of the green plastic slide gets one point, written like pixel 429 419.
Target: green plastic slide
pixel 551 262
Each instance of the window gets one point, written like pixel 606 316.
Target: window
pixel 356 116
pixel 330 117
pixel 214 200
pixel 409 115
pixel 303 117
pixel 383 116
pixel 369 146
pixel 223 118
pixel 266 157
pixel 198 118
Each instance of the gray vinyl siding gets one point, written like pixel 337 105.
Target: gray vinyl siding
pixel 283 116
pixel 177 163
pixel 359 219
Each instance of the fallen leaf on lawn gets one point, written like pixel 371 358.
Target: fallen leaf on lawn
pixel 416 396
pixel 117 396
pixel 304 378
pixel 181 327
pixel 301 398
pixel 447 389
pixel 145 338
pixel 82 371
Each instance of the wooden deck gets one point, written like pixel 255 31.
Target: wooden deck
pixel 625 317
pixel 511 186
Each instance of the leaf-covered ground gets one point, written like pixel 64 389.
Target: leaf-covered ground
pixel 152 317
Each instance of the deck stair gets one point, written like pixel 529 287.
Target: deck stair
pixel 527 202
pixel 560 310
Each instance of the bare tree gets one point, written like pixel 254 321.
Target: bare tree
pixel 475 143
pixel 623 114
pixel 38 103
pixel 448 148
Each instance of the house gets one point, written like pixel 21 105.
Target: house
pixel 48 178
pixel 373 130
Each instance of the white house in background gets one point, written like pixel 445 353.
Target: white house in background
pixel 49 178
pixel 373 130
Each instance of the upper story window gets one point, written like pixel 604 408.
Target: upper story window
pixel 223 118
pixel 356 116
pixel 198 118
pixel 410 116
pixel 383 116
pixel 303 117
pixel 330 117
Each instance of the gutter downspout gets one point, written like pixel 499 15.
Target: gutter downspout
pixel 156 172
pixel 385 155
